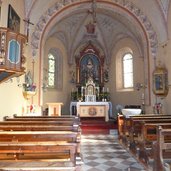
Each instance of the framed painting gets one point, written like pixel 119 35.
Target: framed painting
pixel 13 20
pixel 89 68
pixel 160 81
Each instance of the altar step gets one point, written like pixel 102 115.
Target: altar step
pixel 97 126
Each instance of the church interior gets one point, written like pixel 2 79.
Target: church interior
pixel 94 73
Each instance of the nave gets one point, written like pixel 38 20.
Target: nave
pixel 104 153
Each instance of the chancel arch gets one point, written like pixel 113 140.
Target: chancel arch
pixel 114 11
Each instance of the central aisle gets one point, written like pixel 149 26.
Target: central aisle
pixel 103 153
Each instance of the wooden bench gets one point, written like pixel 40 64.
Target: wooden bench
pixel 74 128
pixel 124 123
pixel 137 135
pixel 32 122
pixel 57 147
pixel 131 127
pixel 76 120
pixel 27 131
pixel 162 150
pixel 42 118
pixel 147 137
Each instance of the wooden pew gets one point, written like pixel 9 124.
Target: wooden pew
pixel 74 128
pixel 63 127
pixel 42 118
pixel 162 149
pixel 44 146
pixel 124 123
pixel 74 119
pixel 32 125
pixel 131 125
pixel 132 139
pixel 30 122
pixel 138 133
pixel 146 139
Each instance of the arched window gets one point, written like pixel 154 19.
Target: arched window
pixel 127 70
pixel 124 70
pixel 55 69
pixel 51 70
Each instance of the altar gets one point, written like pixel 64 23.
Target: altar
pixel 91 109
pixel 91 98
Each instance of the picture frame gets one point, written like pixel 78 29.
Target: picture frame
pixel 160 81
pixel 13 20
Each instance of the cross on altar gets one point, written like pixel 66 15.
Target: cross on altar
pixel 27 21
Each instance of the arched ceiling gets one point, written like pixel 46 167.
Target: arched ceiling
pixel 110 27
pixel 112 24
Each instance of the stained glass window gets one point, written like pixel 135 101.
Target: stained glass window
pixel 51 70
pixel 128 70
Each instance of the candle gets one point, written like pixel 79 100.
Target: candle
pixel 103 89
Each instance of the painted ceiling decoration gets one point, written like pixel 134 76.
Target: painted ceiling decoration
pixel 164 4
pixel 108 23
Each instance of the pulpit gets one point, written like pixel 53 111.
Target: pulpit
pixel 54 109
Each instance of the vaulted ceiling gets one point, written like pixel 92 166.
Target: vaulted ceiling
pixel 113 22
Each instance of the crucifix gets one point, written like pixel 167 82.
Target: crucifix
pixel 27 21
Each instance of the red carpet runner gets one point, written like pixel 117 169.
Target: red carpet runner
pixel 97 126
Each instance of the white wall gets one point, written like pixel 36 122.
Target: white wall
pixel 126 97
pixel 166 58
pixel 63 94
pixel 11 97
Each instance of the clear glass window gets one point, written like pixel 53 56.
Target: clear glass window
pixel 51 70
pixel 127 70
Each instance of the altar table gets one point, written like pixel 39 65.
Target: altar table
pixel 92 109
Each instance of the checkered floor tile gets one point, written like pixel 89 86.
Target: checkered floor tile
pixel 104 153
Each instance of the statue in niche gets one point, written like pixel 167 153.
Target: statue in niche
pixel 90 68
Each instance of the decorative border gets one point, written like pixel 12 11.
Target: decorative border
pixel 129 6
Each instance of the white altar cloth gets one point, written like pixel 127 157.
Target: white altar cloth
pixel 107 104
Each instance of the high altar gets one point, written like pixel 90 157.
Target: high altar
pixel 90 107
pixel 91 98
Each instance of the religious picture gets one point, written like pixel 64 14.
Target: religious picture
pixel 159 82
pixel 89 69
pixel 13 20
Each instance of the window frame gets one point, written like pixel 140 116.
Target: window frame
pixel 52 86
pixel 123 72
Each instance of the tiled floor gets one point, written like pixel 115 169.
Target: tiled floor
pixel 103 153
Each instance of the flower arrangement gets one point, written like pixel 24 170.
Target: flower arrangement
pixel 29 87
pixel 157 108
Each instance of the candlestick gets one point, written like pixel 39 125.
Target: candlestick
pixel 103 89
